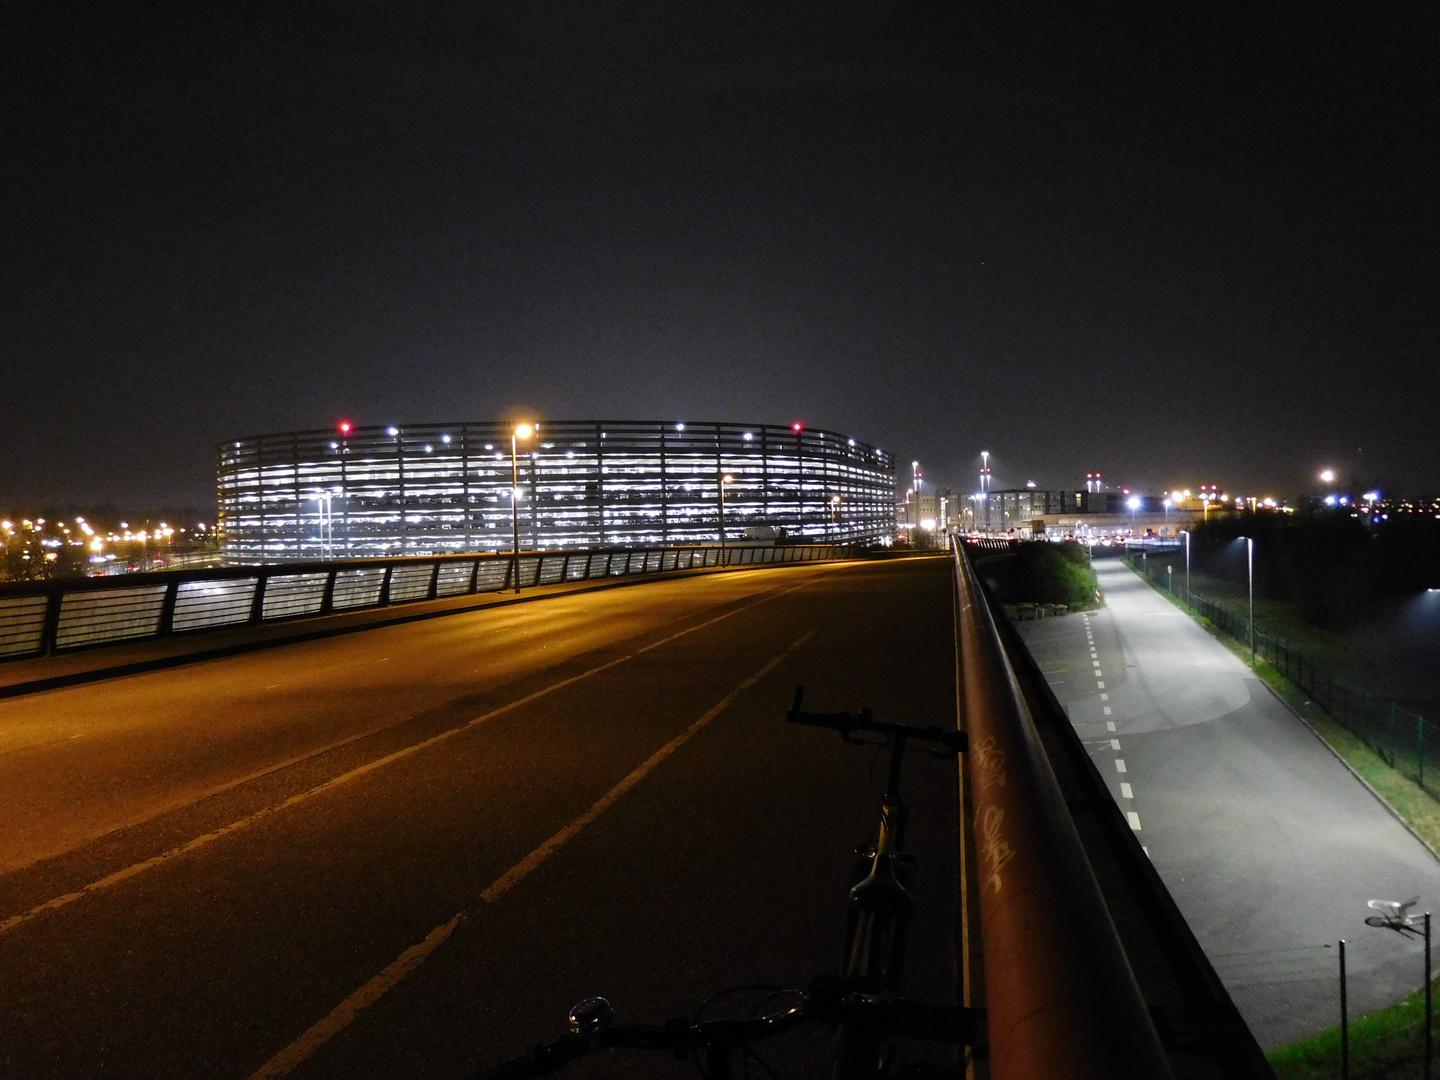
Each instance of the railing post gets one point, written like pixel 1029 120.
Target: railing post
pixel 49 630
pixel 257 602
pixel 167 609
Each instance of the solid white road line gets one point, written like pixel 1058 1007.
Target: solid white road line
pixel 208 838
pixel 341 1016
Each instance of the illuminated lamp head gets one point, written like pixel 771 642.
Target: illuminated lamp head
pixel 344 427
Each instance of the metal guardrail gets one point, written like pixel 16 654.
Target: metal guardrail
pixel 1061 997
pixel 41 618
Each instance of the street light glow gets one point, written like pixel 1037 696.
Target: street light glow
pixel 524 431
pixel 1328 476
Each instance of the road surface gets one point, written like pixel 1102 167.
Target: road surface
pixel 407 852
pixel 1270 846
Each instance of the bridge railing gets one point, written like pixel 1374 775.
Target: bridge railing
pixel 1060 995
pixel 63 615
pixel 1071 940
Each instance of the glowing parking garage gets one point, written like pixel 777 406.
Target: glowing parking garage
pixel 438 488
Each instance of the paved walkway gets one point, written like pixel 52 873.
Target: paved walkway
pixel 1268 843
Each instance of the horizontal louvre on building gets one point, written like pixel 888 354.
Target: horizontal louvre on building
pixel 445 488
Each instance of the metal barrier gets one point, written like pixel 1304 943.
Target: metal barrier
pixel 40 618
pixel 1061 998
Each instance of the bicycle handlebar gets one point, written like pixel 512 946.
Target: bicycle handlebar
pixel 849 723
pixel 829 1000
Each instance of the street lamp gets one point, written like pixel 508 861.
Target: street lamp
pixel 522 431
pixel 915 529
pixel 1187 566
pixel 725 479
pixel 1134 504
pixel 1250 568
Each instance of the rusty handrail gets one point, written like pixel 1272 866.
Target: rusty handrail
pixel 1061 998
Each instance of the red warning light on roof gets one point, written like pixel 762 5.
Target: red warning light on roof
pixel 797 426
pixel 344 427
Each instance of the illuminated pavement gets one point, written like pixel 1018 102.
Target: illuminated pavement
pixel 214 870
pixel 1267 842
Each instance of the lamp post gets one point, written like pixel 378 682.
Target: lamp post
pixel 915 527
pixel 724 479
pixel 1187 566
pixel 1250 570
pixel 521 431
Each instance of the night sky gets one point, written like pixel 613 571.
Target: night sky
pixel 1176 243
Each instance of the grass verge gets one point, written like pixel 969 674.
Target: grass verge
pixel 1385 1045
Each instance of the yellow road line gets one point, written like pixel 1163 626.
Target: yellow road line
pixel 341 1016
pixel 208 838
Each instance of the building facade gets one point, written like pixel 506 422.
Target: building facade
pixel 440 488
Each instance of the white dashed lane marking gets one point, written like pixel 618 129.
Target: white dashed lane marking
pixel 1114 744
pixel 1126 792
pixel 1119 764
pixel 1109 725
pixel 1134 819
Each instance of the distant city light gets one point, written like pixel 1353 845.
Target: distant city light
pixel 797 426
pixel 1329 500
pixel 679 427
pixel 1328 476
pixel 344 427
pixel 392 431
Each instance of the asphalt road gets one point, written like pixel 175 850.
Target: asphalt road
pixel 1270 846
pixel 407 852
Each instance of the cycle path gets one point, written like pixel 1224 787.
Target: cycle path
pixel 1268 843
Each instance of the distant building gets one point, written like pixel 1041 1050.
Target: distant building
pixel 426 489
